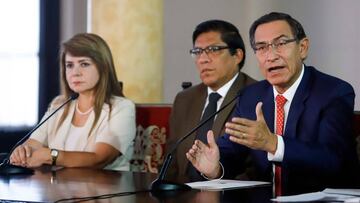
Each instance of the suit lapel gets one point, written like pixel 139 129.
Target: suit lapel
pixel 269 108
pixel 194 116
pixel 194 113
pixel 298 104
pixel 224 115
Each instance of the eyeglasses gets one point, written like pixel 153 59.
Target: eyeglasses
pixel 210 51
pixel 277 45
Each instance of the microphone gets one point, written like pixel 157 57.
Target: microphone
pixel 161 185
pixel 8 169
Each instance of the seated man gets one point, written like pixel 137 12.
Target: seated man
pixel 219 54
pixel 295 125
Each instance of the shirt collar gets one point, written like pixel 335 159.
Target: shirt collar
pixel 290 93
pixel 225 88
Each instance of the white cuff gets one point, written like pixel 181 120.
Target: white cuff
pixel 279 153
pixel 222 173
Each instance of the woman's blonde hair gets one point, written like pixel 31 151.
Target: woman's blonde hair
pixel 94 47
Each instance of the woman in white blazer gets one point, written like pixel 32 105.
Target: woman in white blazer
pixel 97 128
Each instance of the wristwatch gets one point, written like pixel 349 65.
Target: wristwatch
pixel 54 155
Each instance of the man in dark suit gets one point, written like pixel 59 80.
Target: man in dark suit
pixel 296 125
pixel 219 54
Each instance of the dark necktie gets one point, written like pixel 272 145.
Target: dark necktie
pixel 280 116
pixel 202 132
pixel 209 110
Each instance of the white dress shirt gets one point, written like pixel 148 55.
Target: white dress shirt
pixel 222 91
pixel 289 95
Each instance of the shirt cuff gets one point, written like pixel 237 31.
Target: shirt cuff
pixel 279 153
pixel 222 173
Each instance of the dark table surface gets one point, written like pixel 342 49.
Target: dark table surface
pixel 49 186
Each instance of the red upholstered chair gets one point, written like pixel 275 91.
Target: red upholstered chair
pixel 152 122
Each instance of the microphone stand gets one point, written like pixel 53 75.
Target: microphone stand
pixel 160 184
pixel 8 169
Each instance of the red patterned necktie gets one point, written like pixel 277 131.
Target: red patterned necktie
pixel 280 116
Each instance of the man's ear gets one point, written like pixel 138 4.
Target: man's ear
pixel 304 47
pixel 239 54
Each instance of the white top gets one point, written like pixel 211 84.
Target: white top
pixel 118 130
pixel 73 138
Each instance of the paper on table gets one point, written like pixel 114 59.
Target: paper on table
pixel 325 195
pixel 353 200
pixel 314 196
pixel 224 184
pixel 355 192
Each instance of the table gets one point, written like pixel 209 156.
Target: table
pixel 48 185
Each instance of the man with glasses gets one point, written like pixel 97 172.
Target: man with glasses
pixel 296 125
pixel 219 54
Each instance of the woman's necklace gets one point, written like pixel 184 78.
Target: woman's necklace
pixel 82 113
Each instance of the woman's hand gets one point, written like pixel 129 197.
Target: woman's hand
pixel 39 157
pixel 20 155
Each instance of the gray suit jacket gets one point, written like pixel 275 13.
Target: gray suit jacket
pixel 186 114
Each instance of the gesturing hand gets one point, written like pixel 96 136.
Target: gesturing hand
pixel 253 134
pixel 205 158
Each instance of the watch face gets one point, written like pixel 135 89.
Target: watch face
pixel 54 152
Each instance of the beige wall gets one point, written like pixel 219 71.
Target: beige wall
pixel 134 32
pixel 331 25
pixel 333 49
pixel 73 18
